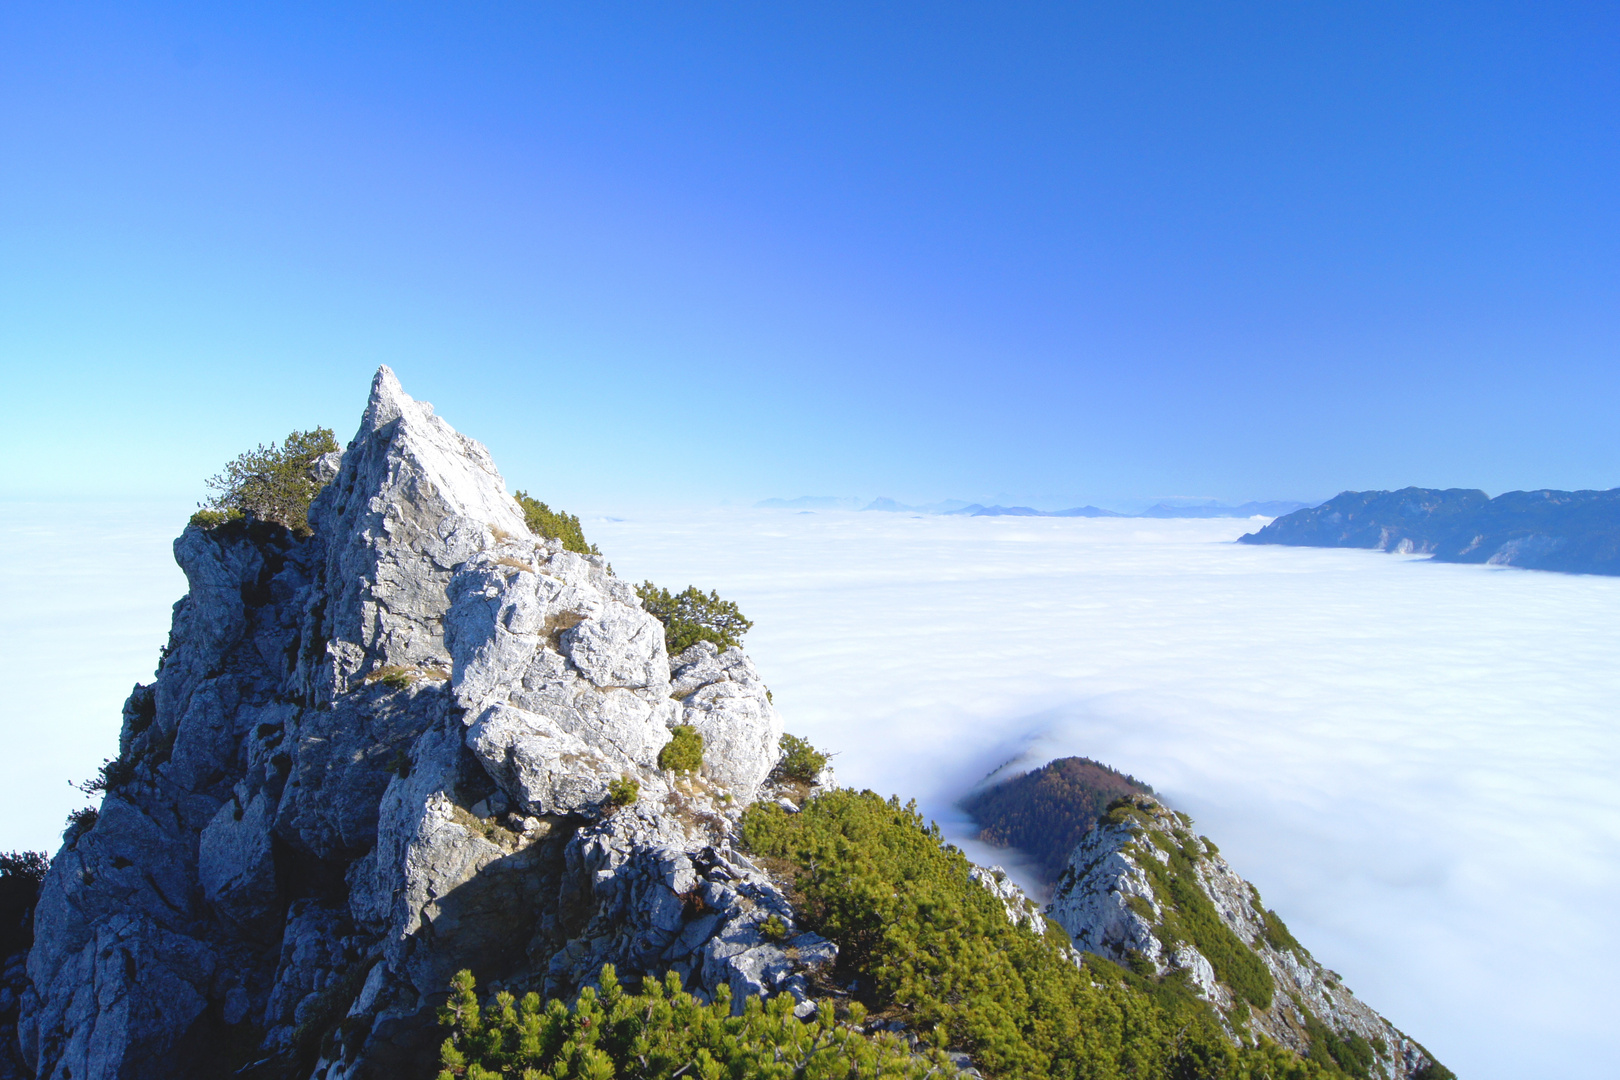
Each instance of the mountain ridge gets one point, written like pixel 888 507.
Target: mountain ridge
pixel 1567 531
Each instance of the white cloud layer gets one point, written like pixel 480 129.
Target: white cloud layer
pixel 86 591
pixel 1416 763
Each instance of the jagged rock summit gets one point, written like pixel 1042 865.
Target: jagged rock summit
pixel 385 751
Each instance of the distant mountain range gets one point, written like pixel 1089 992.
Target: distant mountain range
pixel 811 502
pixel 956 506
pixel 1575 532
pixel 1273 508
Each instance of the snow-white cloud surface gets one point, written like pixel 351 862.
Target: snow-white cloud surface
pixel 1416 763
pixel 86 591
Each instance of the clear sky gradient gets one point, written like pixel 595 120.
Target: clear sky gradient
pixel 1061 253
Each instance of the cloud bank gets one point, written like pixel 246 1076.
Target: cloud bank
pixel 1414 762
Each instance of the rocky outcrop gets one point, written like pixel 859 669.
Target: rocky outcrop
pixel 1143 891
pixel 385 751
pixel 1571 531
pixel 1021 910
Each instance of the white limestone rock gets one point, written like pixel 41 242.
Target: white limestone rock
pixel 413 500
pixel 722 695
pixel 236 860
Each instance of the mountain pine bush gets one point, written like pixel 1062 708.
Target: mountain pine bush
pixel 551 524
pixel 800 760
pixel 684 751
pixel 691 616
pixel 273 483
pixel 664 1032
pixel 20 875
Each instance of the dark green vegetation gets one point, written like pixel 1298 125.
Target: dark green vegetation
pixel 624 791
pixel 79 822
pixel 691 617
pixel 683 752
pixel 661 1033
pixel 1573 531
pixel 1277 934
pixel 551 524
pixel 800 761
pixel 1433 1070
pixel 921 942
pixel 114 773
pixel 20 875
pixel 1046 812
pixel 1350 1051
pixel 272 483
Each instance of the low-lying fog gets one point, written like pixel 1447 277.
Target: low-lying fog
pixel 1416 763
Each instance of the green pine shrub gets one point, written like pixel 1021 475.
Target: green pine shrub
pixel 273 483
pixel 212 519
pixel 1349 1050
pixel 624 791
pixel 551 524
pixel 664 1032
pixel 79 822
pixel 690 617
pixel 114 773
pixel 684 751
pixel 800 761
pixel 1278 936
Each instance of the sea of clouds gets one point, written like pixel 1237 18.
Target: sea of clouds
pixel 1416 763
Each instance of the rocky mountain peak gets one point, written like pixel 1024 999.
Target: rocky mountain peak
pixel 420 738
pixel 412 500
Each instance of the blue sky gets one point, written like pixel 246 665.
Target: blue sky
pixel 1066 253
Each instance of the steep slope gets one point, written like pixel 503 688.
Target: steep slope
pixel 1570 531
pixel 382 753
pixel 1143 891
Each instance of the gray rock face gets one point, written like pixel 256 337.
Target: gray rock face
pixel 378 754
pixel 1113 902
pixel 722 695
